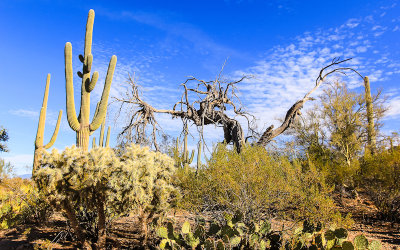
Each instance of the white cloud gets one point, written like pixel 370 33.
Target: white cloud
pixel 361 49
pixel 352 23
pixel 25 113
pixel 394 107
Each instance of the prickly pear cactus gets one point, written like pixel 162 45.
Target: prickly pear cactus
pixel 234 234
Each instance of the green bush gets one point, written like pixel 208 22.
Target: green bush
pixel 379 176
pixel 259 185
pixel 91 187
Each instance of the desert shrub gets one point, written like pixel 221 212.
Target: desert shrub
pixel 379 176
pixel 259 185
pixel 335 170
pixel 21 202
pixel 92 187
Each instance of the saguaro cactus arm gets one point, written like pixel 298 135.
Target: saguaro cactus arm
pixel 55 133
pixel 93 82
pixel 108 137
pixel 42 120
pixel 42 116
pixel 89 32
pixel 101 114
pixel 101 139
pixel 69 89
pixel 40 131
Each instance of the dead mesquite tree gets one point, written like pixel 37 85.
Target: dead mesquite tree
pixel 213 99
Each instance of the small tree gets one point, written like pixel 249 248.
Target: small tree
pixel 3 138
pixel 5 167
pixel 342 114
pixel 335 132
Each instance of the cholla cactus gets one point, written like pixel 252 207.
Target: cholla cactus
pixel 106 184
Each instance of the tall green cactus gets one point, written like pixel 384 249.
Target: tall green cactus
pixel 183 160
pixel 101 140
pixel 39 147
pixel 370 117
pixel 199 156
pixel 81 124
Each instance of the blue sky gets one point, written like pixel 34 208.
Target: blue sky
pixel 282 43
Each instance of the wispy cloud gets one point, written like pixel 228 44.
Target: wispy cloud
pixel 51 116
pixel 25 113
pixel 289 71
pixel 200 40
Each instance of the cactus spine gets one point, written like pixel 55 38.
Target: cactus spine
pixel 81 124
pixel 370 117
pixel 39 147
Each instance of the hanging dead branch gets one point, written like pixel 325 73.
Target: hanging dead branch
pixel 205 103
pixel 270 133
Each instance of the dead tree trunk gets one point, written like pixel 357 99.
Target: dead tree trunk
pixel 214 97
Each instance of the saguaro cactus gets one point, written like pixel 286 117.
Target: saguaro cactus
pixel 39 147
pixel 370 117
pixel 199 156
pixel 81 124
pixel 101 138
pixel 183 159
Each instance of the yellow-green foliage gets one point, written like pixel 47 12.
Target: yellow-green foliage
pixel 258 184
pixel 20 203
pixel 137 179
pixel 380 177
